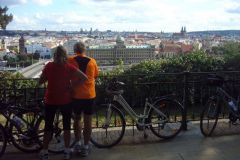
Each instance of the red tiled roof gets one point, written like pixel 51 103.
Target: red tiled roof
pixel 175 47
pixel 186 48
pixel 137 36
pixel 171 48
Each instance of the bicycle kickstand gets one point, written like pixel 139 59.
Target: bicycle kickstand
pixel 145 135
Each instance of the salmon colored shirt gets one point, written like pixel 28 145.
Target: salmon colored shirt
pixel 58 89
pixel 88 66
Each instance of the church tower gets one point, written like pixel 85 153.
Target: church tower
pixel 3 44
pixel 22 49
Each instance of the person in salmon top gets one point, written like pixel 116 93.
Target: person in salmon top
pixel 58 96
pixel 84 96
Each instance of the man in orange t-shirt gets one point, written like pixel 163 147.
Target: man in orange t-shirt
pixel 84 96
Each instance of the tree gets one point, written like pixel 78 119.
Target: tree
pixel 36 55
pixel 5 18
pixel 22 57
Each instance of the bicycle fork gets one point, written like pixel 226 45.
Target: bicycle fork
pixel 108 117
pixel 145 135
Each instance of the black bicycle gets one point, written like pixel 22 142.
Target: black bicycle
pixel 215 105
pixel 3 140
pixel 21 127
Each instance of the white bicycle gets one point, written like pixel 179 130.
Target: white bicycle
pixel 163 117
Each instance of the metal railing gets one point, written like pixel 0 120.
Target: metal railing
pixel 189 87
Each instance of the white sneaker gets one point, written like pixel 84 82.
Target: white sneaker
pixel 43 155
pixel 77 147
pixel 85 150
pixel 67 154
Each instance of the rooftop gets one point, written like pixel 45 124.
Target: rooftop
pixel 112 46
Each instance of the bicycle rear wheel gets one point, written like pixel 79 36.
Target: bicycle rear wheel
pixel 209 116
pixel 3 140
pixel 166 118
pixel 108 126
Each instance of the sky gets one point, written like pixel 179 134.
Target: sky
pixel 124 15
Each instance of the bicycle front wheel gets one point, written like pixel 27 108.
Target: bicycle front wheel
pixel 209 116
pixel 166 118
pixel 26 138
pixel 108 126
pixel 3 140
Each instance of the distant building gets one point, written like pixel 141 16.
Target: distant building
pixel 44 51
pixel 22 49
pixel 170 49
pixel 129 54
pixel 181 34
pixel 69 46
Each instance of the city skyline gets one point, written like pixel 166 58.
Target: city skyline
pixel 124 15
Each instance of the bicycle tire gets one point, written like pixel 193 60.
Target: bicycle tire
pixel 104 128
pixel 14 127
pixel 173 122
pixel 211 101
pixel 3 140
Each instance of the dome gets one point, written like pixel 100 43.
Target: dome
pixel 120 39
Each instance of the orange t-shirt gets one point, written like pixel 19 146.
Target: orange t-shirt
pixel 88 66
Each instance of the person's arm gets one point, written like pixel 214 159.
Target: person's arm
pixel 81 77
pixel 96 70
pixel 77 76
pixel 42 79
pixel 43 76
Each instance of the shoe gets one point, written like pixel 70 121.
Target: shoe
pixel 85 150
pixel 77 147
pixel 67 154
pixel 43 155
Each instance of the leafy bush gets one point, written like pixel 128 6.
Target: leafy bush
pixel 193 62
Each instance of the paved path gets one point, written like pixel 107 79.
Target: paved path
pixel 190 145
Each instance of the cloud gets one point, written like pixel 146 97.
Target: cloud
pixel 144 15
pixel 12 2
pixel 43 2
pixel 234 10
pixel 20 2
pixel 232 6
pixel 118 1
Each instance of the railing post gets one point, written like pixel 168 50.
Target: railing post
pixel 4 91
pixel 15 92
pixel 185 99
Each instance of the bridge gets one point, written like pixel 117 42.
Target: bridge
pixel 34 70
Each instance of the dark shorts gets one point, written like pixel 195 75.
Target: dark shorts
pixel 50 111
pixel 83 106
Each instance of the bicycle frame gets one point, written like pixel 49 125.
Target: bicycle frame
pixel 148 106
pixel 225 96
pixel 9 121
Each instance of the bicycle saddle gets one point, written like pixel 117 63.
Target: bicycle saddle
pixel 114 87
